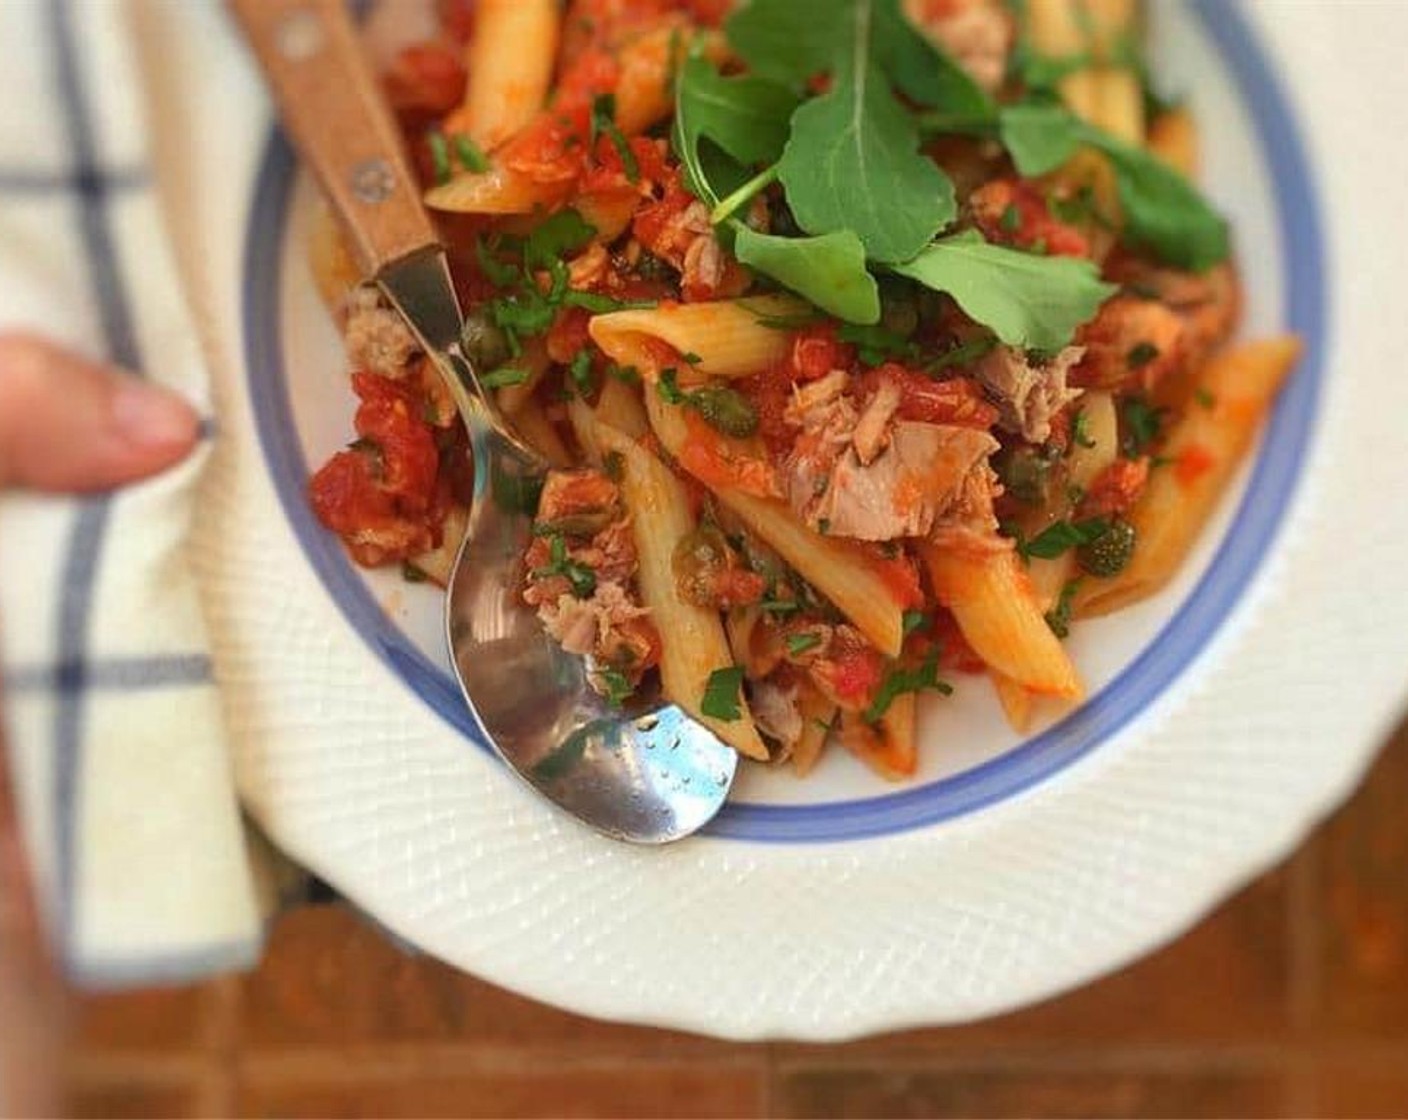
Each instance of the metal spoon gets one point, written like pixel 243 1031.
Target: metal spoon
pixel 649 774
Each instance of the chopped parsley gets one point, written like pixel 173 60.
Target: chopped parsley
pixel 580 372
pixel 1059 616
pixel 439 156
pixel 1079 435
pixel 1011 220
pixel 581 578
pixel 470 154
pixel 618 686
pixel 1143 424
pixel 899 681
pixel 723 694
pixel 876 344
pixel 603 123
pixel 1062 536
pixel 799 643
pixel 1204 398
pixel 913 620
pixel 503 377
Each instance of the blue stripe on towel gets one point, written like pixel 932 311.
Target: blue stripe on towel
pixel 127 675
pixel 18 181
pixel 90 188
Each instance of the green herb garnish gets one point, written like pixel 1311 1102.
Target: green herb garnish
pixel 579 577
pixel 899 681
pixel 1140 355
pixel 1142 426
pixel 603 123
pixel 439 156
pixel 470 154
pixel 1079 435
pixel 913 620
pixel 798 644
pixel 722 697
pixel 503 377
pixel 1059 616
pixel 1062 536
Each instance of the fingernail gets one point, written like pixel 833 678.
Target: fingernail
pixel 152 416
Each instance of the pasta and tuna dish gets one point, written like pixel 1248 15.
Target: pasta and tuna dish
pixel 874 344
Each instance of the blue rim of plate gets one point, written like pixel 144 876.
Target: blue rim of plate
pixel 1274 480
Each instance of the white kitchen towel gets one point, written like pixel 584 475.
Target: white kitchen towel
pixel 113 715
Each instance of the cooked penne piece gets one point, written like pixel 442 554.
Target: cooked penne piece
pixel 818 715
pixel 1100 443
pixel 887 747
pixel 1173 137
pixel 693 639
pixel 837 568
pixel 1119 100
pixel 992 600
pixel 496 191
pixel 510 62
pixel 537 432
pixel 534 360
pixel 437 564
pixel 1205 447
pixel 583 421
pixel 620 406
pixel 1016 701
pixel 730 337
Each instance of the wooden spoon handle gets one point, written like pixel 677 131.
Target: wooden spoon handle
pixel 333 108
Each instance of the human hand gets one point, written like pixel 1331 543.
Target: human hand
pixel 66 424
pixel 71 424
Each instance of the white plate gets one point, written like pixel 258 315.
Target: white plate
pixel 1006 871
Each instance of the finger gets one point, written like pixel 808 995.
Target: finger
pixel 70 424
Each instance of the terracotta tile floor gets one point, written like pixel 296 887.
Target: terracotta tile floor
pixel 1290 1000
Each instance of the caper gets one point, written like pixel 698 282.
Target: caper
pixel 483 342
pixel 726 410
pixel 1109 553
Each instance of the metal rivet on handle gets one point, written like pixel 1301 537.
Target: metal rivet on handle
pixel 299 35
pixel 372 180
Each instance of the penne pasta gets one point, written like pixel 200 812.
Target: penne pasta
pixel 992 600
pixel 496 191
pixel 730 337
pixel 1119 103
pixel 1173 137
pixel 837 568
pixel 692 637
pixel 537 431
pixel 818 715
pixel 1100 445
pixel 1016 701
pixel 512 399
pixel 583 421
pixel 437 564
pixel 887 747
pixel 510 63
pixel 1205 448
pixel 620 406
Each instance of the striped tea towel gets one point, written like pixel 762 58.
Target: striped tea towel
pixel 112 714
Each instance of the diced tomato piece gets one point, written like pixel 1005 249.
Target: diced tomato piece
pixel 816 351
pixel 1013 212
pixel 955 654
pixel 1193 463
pixel 568 334
pixel 1116 488
pixel 552 149
pixel 853 670
pixel 426 80
pixel 958 400
pixel 770 393
pixel 901 576
pixel 408 455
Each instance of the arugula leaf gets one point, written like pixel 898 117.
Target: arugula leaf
pixel 746 116
pixel 1026 300
pixel 853 160
pixel 1062 536
pixel 787 41
pixel 877 344
pixel 899 681
pixel 828 270
pixel 1162 210
pixel 1039 137
pixel 721 698
pixel 924 72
